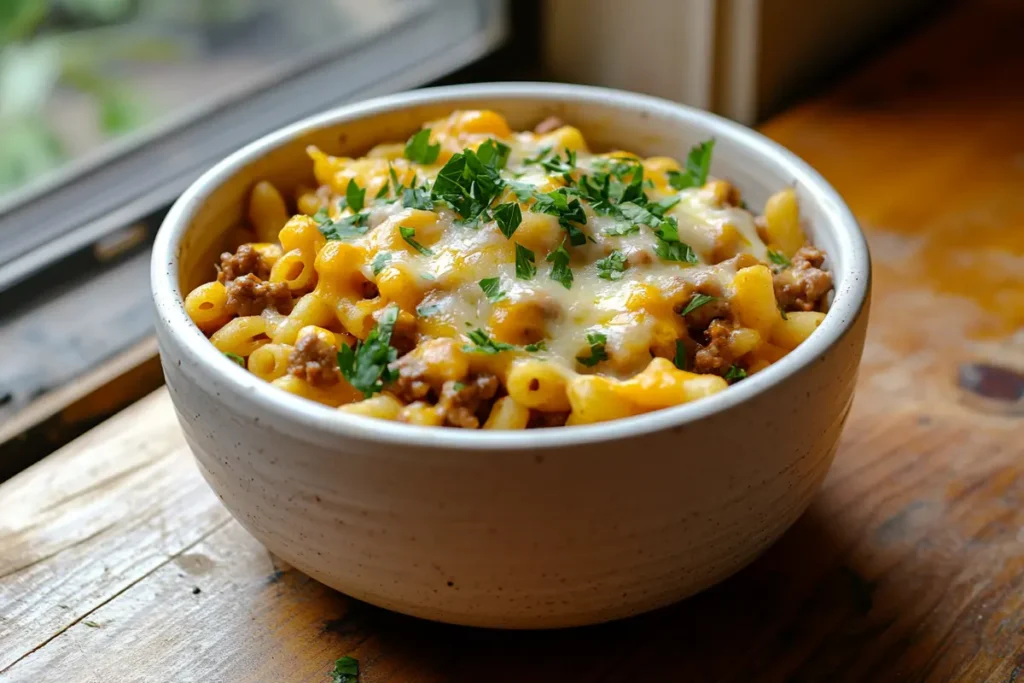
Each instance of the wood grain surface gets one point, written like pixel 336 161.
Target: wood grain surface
pixel 118 564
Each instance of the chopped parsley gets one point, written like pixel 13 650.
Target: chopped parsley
pixel 597 353
pixel 779 259
pixel 427 310
pixel 508 216
pixel 541 154
pixel 680 359
pixel 321 215
pixel 618 191
pixel 484 344
pixel 522 191
pixel 782 311
pixel 696 302
pixel 470 181
pixel 492 289
pixel 347 228
pixel 525 268
pixel 408 234
pixel 734 374
pixel 354 196
pixel 698 163
pixel 675 251
pixel 612 267
pixel 493 154
pixel 633 191
pixel 636 214
pixel 669 247
pixel 234 357
pixel 380 261
pixel 417 198
pixel 622 228
pixel 659 208
pixel 560 271
pixel 398 187
pixel 382 193
pixel 418 149
pixel 605 189
pixel 366 366
pixel 569 213
pixel 561 167
pixel 346 670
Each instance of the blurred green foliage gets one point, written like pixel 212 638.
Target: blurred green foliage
pixel 83 45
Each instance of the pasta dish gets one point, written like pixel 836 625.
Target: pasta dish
pixel 477 277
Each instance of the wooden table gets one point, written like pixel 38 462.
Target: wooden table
pixel 118 564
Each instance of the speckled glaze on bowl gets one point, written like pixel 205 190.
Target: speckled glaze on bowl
pixel 536 529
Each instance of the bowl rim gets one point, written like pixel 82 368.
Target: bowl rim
pixel 193 345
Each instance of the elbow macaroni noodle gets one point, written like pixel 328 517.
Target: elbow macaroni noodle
pixel 480 277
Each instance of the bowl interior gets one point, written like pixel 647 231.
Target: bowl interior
pixel 199 227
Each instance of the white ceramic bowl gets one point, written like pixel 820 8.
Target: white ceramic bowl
pixel 543 528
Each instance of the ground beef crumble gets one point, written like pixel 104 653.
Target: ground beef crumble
pixel 462 402
pixel 315 361
pixel 411 383
pixel 803 285
pixel 698 320
pixel 245 261
pixel 715 357
pixel 248 295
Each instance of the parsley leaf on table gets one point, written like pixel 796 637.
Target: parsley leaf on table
pixel 346 670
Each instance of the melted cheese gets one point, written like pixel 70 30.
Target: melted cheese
pixel 638 314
